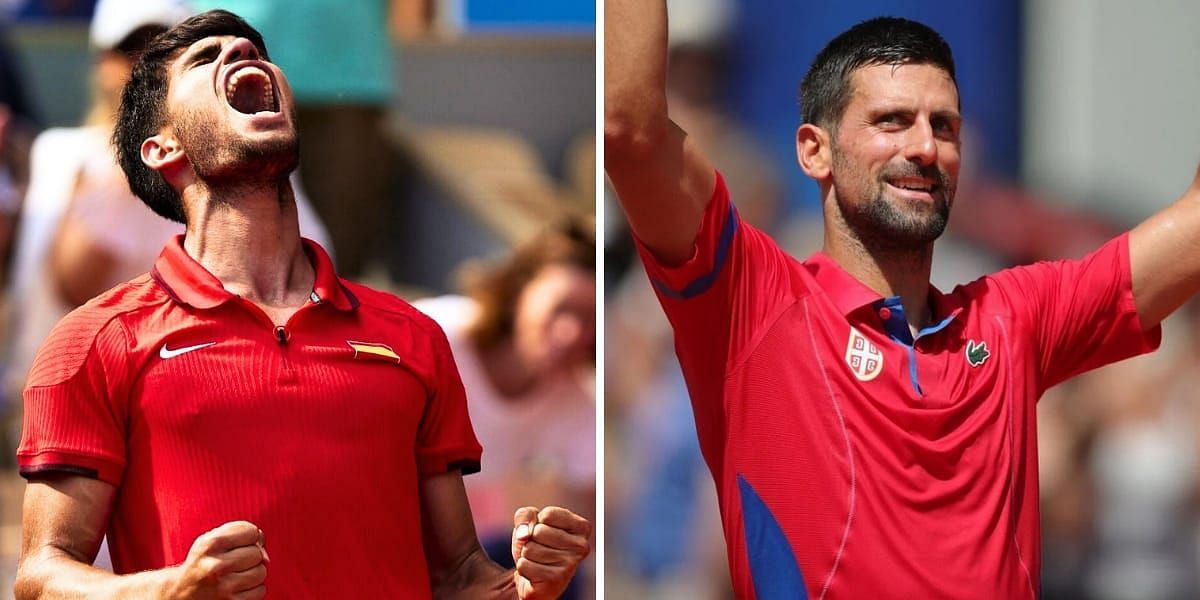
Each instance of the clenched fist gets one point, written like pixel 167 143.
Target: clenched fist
pixel 227 562
pixel 548 546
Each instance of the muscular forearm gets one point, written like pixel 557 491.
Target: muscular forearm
pixel 52 573
pixel 662 178
pixel 635 67
pixel 1164 255
pixel 476 576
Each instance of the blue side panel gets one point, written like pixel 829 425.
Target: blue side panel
pixel 772 565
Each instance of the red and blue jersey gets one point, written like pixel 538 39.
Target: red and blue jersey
pixel 853 459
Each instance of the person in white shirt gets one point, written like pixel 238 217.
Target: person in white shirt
pixel 524 340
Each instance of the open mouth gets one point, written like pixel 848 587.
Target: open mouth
pixel 249 91
pixel 914 184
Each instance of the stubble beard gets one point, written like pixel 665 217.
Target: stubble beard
pixel 881 221
pixel 222 159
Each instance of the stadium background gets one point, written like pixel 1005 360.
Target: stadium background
pixel 1081 122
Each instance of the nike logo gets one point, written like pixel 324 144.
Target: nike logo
pixel 166 352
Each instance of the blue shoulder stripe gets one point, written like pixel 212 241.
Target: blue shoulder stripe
pixel 705 281
pixel 772 564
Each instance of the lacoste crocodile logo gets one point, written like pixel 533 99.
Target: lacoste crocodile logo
pixel 977 353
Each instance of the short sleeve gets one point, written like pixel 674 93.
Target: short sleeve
pixel 718 301
pixel 445 440
pixel 1081 313
pixel 75 402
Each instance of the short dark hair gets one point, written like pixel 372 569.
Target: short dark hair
pixel 826 88
pixel 143 110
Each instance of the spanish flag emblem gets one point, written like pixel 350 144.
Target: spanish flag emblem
pixel 373 351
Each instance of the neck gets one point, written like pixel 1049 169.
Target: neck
pixel 887 269
pixel 249 238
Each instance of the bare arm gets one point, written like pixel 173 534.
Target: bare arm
pixel 1164 257
pixel 62 524
pixel 662 179
pixel 458 566
pixel 547 551
pixel 63 520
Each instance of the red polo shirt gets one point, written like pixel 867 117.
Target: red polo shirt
pixel 200 411
pixel 854 461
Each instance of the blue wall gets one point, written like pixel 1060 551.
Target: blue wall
pixel 567 15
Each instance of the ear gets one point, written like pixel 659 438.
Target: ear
pixel 814 151
pixel 163 153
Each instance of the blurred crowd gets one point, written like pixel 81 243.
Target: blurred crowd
pixel 1119 447
pixel 519 311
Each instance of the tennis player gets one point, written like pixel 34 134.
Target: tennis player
pixel 241 420
pixel 870 436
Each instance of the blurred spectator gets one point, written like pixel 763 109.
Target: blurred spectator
pixel 411 19
pixel 17 129
pixel 696 83
pixel 1144 472
pixel 338 59
pixel 9 8
pixel 12 85
pixel 523 338
pixel 82 231
pixel 18 125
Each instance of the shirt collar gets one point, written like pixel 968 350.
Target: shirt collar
pixel 850 294
pixel 847 293
pixel 187 282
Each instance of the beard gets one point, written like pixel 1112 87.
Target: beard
pixel 221 158
pixel 880 220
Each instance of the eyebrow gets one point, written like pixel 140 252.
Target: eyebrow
pixel 206 49
pixel 949 115
pixel 896 110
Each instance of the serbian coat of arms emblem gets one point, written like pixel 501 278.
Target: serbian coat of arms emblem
pixel 863 357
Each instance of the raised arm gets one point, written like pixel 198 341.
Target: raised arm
pixel 1164 257
pixel 64 517
pixel 547 548
pixel 662 179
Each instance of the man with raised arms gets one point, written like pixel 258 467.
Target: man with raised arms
pixel 870 436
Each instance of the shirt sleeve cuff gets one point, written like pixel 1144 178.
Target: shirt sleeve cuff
pixel 49 462
pixel 711 247
pixel 1150 339
pixel 465 460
